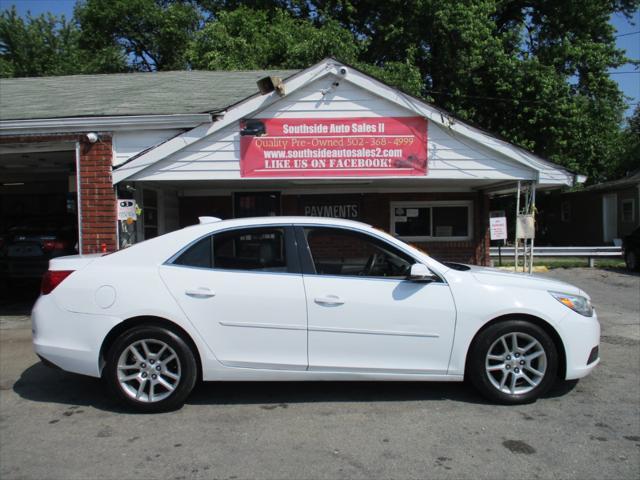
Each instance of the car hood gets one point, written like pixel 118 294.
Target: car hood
pixel 493 276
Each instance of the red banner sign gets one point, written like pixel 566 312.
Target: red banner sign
pixel 333 147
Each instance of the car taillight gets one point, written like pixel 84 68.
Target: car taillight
pixel 51 245
pixel 52 279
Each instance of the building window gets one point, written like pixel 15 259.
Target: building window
pixel 628 210
pixel 565 211
pixel 432 220
pixel 150 213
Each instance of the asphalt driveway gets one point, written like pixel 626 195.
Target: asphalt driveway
pixel 58 425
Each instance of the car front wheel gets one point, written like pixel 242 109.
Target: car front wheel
pixel 631 259
pixel 513 362
pixel 151 369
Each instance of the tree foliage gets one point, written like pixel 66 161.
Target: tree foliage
pixel 533 71
pixel 153 34
pixel 258 39
pixel 47 45
pixel 245 38
pixel 630 158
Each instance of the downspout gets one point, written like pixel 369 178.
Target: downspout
pixel 79 197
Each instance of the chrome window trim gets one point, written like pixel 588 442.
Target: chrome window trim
pixel 170 260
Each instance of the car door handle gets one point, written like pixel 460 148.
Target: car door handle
pixel 200 292
pixel 329 300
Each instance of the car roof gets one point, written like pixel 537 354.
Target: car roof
pixel 298 220
pixel 159 249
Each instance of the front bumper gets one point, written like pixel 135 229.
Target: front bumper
pixel 580 336
pixel 69 340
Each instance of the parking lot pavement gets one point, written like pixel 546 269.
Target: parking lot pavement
pixel 58 425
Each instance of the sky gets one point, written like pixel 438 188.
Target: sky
pixel 628 39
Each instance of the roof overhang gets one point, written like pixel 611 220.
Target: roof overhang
pixel 114 123
pixel 545 172
pixel 330 185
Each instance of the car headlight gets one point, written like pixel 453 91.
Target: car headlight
pixel 576 303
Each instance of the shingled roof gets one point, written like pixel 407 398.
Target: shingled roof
pixel 631 180
pixel 157 93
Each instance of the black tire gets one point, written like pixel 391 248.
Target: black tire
pixel 187 368
pixel 478 375
pixel 631 259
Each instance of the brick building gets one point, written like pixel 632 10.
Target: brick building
pixel 601 214
pixel 328 140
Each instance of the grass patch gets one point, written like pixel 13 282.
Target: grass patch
pixel 565 262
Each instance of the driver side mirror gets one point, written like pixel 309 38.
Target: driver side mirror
pixel 420 273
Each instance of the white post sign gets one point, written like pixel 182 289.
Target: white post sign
pixel 525 226
pixel 498 228
pixel 126 210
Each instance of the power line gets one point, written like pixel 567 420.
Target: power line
pixel 508 99
pixel 625 34
pixel 623 73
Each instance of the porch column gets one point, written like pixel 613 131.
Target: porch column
pixel 483 240
pixel 98 220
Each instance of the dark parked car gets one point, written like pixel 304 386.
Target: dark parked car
pixel 25 248
pixel 631 250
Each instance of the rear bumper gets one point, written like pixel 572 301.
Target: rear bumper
pixel 69 340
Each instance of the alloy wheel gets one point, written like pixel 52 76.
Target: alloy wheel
pixel 516 363
pixel 149 370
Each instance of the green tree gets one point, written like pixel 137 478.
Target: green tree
pixel 532 71
pixel 245 38
pixel 152 34
pixel 255 39
pixel 631 145
pixel 48 45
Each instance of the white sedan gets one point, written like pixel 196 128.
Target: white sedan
pixel 303 298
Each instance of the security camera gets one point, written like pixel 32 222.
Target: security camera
pixel 343 71
pixel 92 137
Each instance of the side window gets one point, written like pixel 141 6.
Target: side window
pixel 257 249
pixel 197 255
pixel 260 249
pixel 343 252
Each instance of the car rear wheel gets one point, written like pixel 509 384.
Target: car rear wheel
pixel 513 362
pixel 151 369
pixel 631 259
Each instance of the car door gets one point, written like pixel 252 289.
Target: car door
pixel 243 291
pixel 363 313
